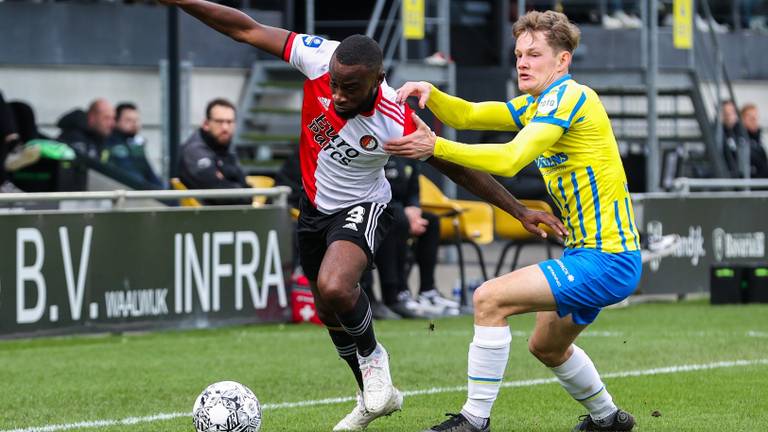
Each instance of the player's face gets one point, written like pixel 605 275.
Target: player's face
pixel 538 64
pixel 221 125
pixel 352 87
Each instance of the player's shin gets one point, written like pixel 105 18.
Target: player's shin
pixel 488 354
pixel 358 322
pixel 580 379
pixel 347 349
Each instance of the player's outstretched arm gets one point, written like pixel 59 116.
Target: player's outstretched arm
pixel 235 24
pixel 457 112
pixel 487 188
pixel 500 159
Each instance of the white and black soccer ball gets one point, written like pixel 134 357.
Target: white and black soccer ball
pixel 227 406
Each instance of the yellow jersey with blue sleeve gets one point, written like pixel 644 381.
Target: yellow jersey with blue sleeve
pixel 567 132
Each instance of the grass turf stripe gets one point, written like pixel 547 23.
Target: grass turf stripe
pixel 434 390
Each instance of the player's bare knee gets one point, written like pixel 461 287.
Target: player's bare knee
pixel 545 353
pixel 482 298
pixel 336 294
pixel 486 303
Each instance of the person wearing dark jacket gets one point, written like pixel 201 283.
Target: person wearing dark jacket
pixel 125 147
pixel 206 160
pixel 758 161
pixel 9 138
pixel 87 132
pixel 391 260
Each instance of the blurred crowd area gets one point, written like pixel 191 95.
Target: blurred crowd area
pixel 729 15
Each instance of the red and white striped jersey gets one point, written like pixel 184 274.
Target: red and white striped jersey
pixel 342 160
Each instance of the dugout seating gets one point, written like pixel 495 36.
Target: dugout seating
pixel 259 181
pixel 254 181
pixel 461 221
pixel 176 184
pixel 512 230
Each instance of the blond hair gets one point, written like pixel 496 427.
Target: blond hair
pixel 561 34
pixel 747 107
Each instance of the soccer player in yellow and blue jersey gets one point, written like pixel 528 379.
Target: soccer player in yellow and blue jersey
pixel 562 126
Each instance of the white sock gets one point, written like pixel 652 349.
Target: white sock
pixel 580 379
pixel 488 354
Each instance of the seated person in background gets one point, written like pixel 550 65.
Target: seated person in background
pixel 27 147
pixel 732 133
pixel 87 132
pixel 290 175
pixel 125 147
pixel 34 142
pixel 620 16
pixel 25 122
pixel 206 161
pixel 9 138
pixel 758 161
pixel 391 259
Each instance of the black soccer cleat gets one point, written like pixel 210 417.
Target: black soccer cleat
pixel 622 421
pixel 458 423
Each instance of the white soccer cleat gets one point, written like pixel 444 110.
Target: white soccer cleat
pixel 380 397
pixel 360 418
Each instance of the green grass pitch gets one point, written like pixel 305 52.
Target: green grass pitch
pixel 84 380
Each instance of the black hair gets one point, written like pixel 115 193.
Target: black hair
pixel 360 50
pixel 122 107
pixel 218 102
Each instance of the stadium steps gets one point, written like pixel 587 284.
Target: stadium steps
pixel 683 124
pixel 270 117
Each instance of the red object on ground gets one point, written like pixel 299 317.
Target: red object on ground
pixel 302 302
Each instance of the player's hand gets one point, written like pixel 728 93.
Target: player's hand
pixel 418 145
pixel 419 89
pixel 532 218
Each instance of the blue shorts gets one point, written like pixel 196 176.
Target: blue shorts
pixel 584 281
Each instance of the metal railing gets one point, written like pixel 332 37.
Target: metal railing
pixel 686 185
pixel 119 197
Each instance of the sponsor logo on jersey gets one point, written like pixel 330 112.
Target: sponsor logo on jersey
pixel 328 139
pixel 551 161
pixel 325 102
pixel 312 41
pixel 548 103
pixel 368 142
pixel 351 226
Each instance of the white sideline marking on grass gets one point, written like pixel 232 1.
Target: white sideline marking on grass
pixel 470 332
pixel 753 333
pixel 433 390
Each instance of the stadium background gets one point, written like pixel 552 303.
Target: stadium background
pixel 61 55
